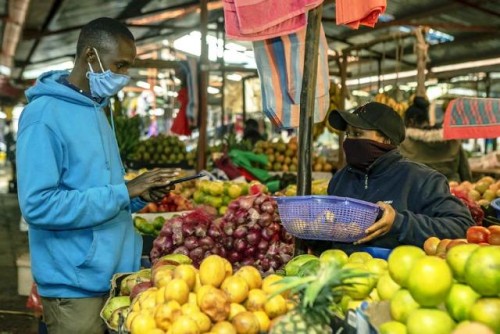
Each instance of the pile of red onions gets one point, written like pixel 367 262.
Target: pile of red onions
pixel 186 235
pixel 250 233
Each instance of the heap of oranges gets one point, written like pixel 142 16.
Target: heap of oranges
pixel 213 299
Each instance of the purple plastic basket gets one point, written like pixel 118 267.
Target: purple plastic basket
pixel 328 218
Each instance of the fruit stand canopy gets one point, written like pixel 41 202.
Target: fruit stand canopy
pixel 38 34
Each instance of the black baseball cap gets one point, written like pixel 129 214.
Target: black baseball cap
pixel 371 116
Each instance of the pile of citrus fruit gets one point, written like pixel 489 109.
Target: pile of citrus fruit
pixel 432 295
pixel 212 299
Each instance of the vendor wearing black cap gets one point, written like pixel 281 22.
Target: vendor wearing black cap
pixel 415 199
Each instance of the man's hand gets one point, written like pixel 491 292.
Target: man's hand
pixel 152 186
pixel 382 226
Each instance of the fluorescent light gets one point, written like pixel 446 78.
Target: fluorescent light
pixel 471 64
pixel 5 70
pixel 234 77
pixel 143 84
pixel 360 93
pixel 212 90
pixel 235 47
pixel 385 77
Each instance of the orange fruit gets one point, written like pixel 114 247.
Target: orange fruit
pixel 201 292
pixel 234 309
pixel 482 271
pixel 187 273
pixel 184 325
pixel 460 301
pixel 401 260
pixel 468 327
pixel 429 321
pixel 386 287
pixel 236 288
pixel 270 284
pixel 256 300
pixel 402 305
pixel 457 258
pixel 275 306
pixel 178 290
pixel 142 323
pixel 202 320
pixel 264 321
pixel 430 281
pixel 251 275
pixel 392 327
pixel 487 311
pixel 212 271
pixel 246 323
pixel 223 327
pixel 215 303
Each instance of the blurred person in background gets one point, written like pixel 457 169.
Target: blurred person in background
pixel 71 184
pixel 425 144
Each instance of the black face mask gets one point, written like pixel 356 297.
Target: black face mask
pixel 362 153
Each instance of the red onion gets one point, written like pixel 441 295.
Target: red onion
pixel 250 252
pixel 222 252
pixel 155 254
pixel 234 256
pixel 196 254
pixel 228 228
pixel 240 232
pixel 273 249
pixel 207 243
pixel 248 262
pixel 214 231
pixel 267 207
pixel 261 256
pixel 191 242
pixel 267 234
pixel 228 243
pixel 200 230
pixel 275 227
pixel 265 219
pixel 285 257
pixel 240 245
pixel 241 217
pixel 177 238
pixel 253 214
pixel 234 205
pixel 181 250
pixel 166 230
pixel 246 202
pixel 263 245
pixel 253 238
pixel 275 262
pixel 188 229
pixel 265 264
pixel 260 199
pixel 286 237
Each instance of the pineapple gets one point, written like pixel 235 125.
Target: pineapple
pixel 317 293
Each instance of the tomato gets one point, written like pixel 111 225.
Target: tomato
pixel 494 237
pixel 477 234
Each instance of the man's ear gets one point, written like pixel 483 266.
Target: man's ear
pixel 90 56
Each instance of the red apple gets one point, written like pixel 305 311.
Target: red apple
pixel 478 234
pixel 430 245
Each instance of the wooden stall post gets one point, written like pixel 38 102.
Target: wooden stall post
pixel 421 51
pixel 307 98
pixel 203 84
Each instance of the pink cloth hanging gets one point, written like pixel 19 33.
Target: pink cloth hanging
pixel 354 13
pixel 255 20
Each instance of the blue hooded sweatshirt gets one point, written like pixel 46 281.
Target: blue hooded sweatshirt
pixel 72 193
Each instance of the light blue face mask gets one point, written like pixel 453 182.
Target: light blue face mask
pixel 105 83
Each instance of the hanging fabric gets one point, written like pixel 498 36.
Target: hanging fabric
pixel 280 63
pixel 255 20
pixel 180 124
pixel 190 69
pixel 354 13
pixel 469 118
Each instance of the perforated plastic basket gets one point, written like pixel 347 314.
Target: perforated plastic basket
pixel 328 218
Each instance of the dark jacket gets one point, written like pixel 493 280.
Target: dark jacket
pixel 429 148
pixel 421 197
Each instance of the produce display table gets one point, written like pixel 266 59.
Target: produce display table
pixel 495 172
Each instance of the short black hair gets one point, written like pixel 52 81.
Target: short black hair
pixel 100 33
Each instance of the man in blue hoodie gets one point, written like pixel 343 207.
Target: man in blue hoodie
pixel 71 182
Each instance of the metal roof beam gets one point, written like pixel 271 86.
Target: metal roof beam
pixel 477 7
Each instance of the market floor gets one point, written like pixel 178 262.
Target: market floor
pixel 15 318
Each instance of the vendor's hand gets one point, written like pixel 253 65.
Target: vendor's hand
pixel 151 185
pixel 381 226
